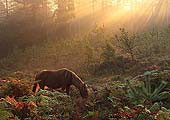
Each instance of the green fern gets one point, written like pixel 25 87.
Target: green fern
pixel 144 92
pixel 5 115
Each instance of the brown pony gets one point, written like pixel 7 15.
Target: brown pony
pixel 62 78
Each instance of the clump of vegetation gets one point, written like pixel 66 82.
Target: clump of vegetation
pixel 151 88
pixel 16 88
pixel 140 112
pixel 126 43
pixel 111 62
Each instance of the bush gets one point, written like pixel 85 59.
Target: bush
pixel 111 62
pixel 152 88
pixel 126 43
pixel 16 88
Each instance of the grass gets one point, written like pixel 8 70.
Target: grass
pixel 101 65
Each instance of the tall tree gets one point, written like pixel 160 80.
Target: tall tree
pixel 2 10
pixel 63 14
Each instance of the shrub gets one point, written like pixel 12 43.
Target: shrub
pixel 16 88
pixel 111 62
pixel 144 93
pixel 151 89
pixel 125 43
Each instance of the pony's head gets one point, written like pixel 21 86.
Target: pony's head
pixel 84 91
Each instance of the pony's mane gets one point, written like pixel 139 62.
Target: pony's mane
pixel 75 75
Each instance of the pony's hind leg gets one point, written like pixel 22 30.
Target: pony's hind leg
pixel 41 84
pixel 34 87
pixel 37 89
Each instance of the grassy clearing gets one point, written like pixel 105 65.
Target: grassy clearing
pixel 109 65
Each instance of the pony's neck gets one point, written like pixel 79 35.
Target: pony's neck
pixel 76 81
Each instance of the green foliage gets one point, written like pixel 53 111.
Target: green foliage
pixel 140 112
pixel 147 91
pixel 54 103
pixel 4 114
pixel 111 62
pixel 91 115
pixel 153 44
pixel 134 93
pixel 5 111
pixel 144 93
pixel 103 103
pixel 126 43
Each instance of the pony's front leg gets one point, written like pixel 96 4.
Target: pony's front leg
pixel 68 90
pixel 63 88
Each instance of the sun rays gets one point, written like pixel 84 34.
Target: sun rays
pixel 140 13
